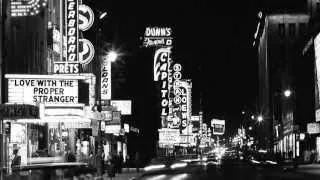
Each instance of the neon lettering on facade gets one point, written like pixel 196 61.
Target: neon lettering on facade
pixel 161 65
pixel 158 32
pixel 26 7
pixel 158 37
pixel 40 90
pixel 185 102
pixel 106 80
pixel 72 30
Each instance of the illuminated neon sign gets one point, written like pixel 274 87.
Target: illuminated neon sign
pixel 161 59
pixel 106 80
pixel 86 17
pixel 182 94
pixel 42 91
pixel 72 30
pixel 71 65
pixel 157 37
pixel 26 7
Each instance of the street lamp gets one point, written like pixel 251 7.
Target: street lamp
pixel 102 15
pixel 112 56
pixel 287 93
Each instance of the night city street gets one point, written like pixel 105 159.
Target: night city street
pixel 159 90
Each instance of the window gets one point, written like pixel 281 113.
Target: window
pixel 281 30
pixel 318 7
pixel 292 29
pixel 302 28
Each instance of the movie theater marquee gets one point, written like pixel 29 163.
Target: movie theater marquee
pixel 42 89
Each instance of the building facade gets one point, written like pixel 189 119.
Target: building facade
pixel 280 69
pixel 64 103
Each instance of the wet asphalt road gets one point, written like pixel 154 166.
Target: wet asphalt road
pixel 230 171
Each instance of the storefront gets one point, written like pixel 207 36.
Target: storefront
pixel 25 138
pixel 63 122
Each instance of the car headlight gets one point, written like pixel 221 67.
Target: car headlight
pixel 154 167
pixel 178 165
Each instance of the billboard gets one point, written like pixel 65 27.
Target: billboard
pixel 124 106
pixel 45 89
pixel 218 126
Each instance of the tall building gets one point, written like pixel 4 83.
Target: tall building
pixel 279 70
pixel 310 52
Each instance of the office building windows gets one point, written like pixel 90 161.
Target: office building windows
pixel 292 29
pixel 281 30
pixel 302 28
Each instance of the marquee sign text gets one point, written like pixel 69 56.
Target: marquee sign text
pixel 43 91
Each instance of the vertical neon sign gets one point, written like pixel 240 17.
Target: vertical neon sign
pixel 72 30
pixel 161 62
pixel 106 80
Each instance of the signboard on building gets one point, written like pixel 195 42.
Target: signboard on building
pixel 19 111
pixel 318 115
pixel 187 139
pixel 116 118
pixel 86 17
pixel 26 7
pixel 161 59
pixel 112 129
pixel 218 126
pixel 124 106
pixel 126 127
pixel 106 80
pixel 169 136
pixel 313 128
pixel 157 36
pixel 42 89
pixel 86 51
pixel 195 118
pixel 133 129
pixel 71 63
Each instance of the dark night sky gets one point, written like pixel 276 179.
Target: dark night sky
pixel 213 42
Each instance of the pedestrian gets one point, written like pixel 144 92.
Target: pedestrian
pixel 111 170
pixel 128 162
pixel 70 157
pixel 102 162
pixel 16 161
pixel 120 159
pixel 137 161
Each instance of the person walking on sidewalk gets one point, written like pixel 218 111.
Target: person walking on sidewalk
pixel 137 161
pixel 120 162
pixel 111 170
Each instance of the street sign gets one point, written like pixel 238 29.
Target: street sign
pixel 86 17
pixel 313 128
pixel 86 53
